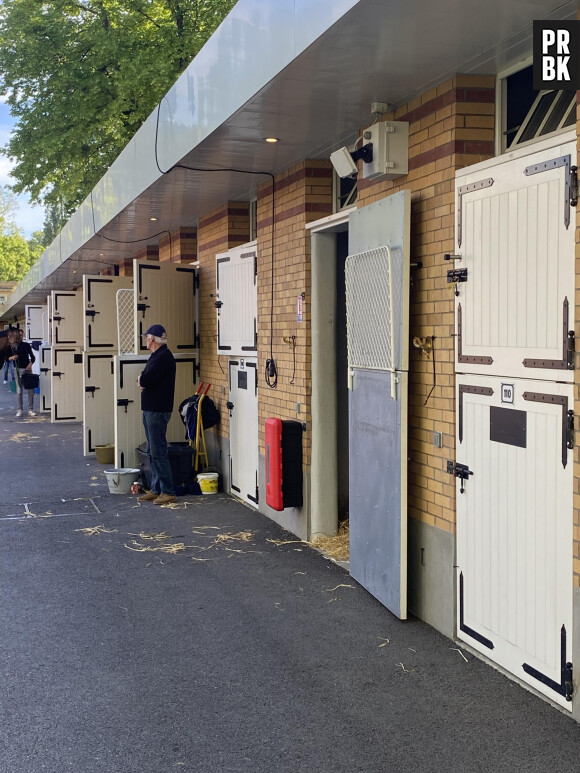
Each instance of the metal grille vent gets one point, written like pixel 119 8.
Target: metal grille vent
pixel 126 321
pixel 369 310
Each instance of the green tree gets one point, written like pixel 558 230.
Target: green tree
pixel 17 254
pixel 15 257
pixel 81 76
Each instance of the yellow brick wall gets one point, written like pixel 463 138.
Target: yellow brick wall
pixel 302 194
pixel 149 252
pixel 450 127
pixel 228 226
pixel 179 247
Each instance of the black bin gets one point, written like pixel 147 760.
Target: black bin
pixel 180 459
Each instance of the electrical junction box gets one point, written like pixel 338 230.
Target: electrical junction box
pixel 390 150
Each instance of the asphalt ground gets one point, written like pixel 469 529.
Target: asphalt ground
pixel 233 655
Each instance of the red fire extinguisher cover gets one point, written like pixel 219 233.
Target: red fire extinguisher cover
pixel 274 496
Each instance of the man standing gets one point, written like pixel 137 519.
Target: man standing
pixel 157 383
pixel 22 356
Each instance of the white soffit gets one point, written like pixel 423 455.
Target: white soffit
pixel 305 72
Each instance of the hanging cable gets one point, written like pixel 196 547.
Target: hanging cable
pixel 434 373
pixel 293 339
pixel 271 370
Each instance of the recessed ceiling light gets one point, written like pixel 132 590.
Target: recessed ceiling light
pixel 271 139
pixel 153 218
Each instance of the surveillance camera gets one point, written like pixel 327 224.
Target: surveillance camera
pixel 342 162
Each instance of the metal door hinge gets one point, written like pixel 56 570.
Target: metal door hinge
pixel 460 471
pixel 567 677
pixel 571 348
pixel 570 430
pixel 570 180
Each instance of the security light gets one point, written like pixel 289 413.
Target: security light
pixel 344 162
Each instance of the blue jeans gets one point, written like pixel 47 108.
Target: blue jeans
pixel 155 424
pixel 9 369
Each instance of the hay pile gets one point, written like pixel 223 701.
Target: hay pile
pixel 336 548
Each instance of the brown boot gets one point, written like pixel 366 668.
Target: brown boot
pixel 164 499
pixel 148 497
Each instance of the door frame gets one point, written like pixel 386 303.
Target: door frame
pixel 323 510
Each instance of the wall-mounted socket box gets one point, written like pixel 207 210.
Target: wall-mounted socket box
pixel 390 150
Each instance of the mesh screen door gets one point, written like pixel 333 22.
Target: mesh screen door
pixel 377 288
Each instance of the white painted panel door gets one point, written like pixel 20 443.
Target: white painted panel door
pixel 45 378
pixel 67 318
pixel 237 301
pixel 514 527
pixel 100 310
pixel 34 322
pixel 514 311
pixel 66 401
pixel 99 408
pixel 166 294
pixel 128 424
pixel 243 407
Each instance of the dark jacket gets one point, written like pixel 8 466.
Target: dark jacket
pixel 25 354
pixel 158 382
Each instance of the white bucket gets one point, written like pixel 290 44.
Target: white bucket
pixel 120 480
pixel 208 482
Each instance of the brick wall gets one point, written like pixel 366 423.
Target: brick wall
pixel 179 247
pixel 149 252
pixel 228 226
pixel 302 194
pixel 450 127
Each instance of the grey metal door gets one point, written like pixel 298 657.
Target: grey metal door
pixel 377 281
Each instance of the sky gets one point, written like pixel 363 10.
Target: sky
pixel 28 218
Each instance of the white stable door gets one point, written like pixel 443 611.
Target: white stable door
pixel 66 319
pixel 166 294
pixel 515 231
pixel 35 316
pixel 514 526
pixel 237 301
pixel 515 237
pixel 243 410
pixel 66 395
pixel 100 311
pixel 45 378
pixel 98 405
pixel 128 421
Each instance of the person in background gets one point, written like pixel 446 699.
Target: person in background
pixel 22 356
pixel 9 371
pixel 157 383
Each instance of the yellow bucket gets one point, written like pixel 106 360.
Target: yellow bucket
pixel 208 482
pixel 106 453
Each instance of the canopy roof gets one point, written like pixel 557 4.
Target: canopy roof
pixel 300 71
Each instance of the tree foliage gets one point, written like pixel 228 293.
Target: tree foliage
pixel 81 76
pixel 17 255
